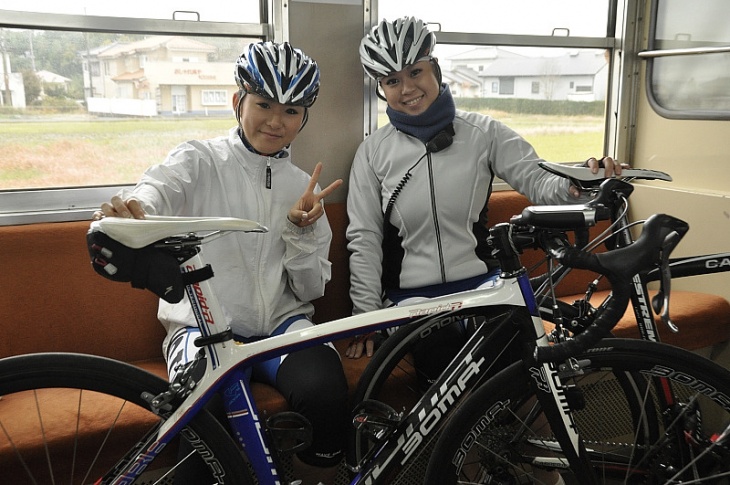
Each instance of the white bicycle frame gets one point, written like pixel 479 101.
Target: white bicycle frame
pixel 228 360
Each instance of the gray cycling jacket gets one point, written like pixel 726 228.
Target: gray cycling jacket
pixel 438 219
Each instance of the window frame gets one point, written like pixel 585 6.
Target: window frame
pixel 78 203
pixel 652 53
pixel 220 94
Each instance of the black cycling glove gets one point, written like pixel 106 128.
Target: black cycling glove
pixel 147 268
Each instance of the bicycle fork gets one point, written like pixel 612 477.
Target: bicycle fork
pixel 556 403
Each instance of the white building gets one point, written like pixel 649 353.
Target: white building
pixel 575 76
pixel 12 90
pixel 158 75
pixel 50 79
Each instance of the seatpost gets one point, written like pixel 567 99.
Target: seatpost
pixel 207 311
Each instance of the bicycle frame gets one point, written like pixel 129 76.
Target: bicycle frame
pixel 227 361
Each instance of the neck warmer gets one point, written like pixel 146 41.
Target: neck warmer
pixel 427 124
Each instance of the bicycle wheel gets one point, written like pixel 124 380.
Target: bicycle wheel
pixel 500 436
pixel 69 418
pixel 393 378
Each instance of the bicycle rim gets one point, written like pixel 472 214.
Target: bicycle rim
pixel 70 418
pixel 499 435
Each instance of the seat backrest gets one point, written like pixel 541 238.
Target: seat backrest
pixel 53 301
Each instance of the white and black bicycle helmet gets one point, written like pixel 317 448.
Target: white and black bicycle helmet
pixel 278 72
pixel 392 46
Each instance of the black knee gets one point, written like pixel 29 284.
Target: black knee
pixel 314 384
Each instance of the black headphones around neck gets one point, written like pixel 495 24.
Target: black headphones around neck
pixel 442 140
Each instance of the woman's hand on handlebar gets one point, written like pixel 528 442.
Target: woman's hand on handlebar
pixel 608 164
pixel 118 207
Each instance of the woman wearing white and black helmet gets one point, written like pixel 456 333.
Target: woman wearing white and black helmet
pixel 419 186
pixel 265 282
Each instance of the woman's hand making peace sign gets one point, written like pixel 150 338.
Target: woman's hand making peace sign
pixel 309 207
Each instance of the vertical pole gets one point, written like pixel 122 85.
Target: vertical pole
pixel 7 98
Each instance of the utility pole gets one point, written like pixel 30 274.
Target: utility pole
pixel 7 98
pixel 32 54
pixel 88 66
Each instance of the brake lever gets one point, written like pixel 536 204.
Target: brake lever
pixel 660 301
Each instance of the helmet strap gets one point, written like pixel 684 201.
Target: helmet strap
pixel 305 119
pixel 436 69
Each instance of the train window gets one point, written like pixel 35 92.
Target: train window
pixel 88 103
pixel 99 108
pixel 554 97
pixel 688 69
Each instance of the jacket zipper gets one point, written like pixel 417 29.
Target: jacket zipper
pixel 268 172
pixel 436 220
pixel 263 211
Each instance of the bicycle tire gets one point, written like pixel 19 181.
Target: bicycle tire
pixel 488 440
pixel 52 378
pixel 391 377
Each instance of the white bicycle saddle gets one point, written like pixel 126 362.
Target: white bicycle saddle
pixel 138 233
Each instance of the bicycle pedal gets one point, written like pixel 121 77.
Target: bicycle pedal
pixel 375 419
pixel 289 432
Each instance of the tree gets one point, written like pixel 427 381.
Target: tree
pixel 32 85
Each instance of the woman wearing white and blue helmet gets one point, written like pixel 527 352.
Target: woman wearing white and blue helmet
pixel 265 282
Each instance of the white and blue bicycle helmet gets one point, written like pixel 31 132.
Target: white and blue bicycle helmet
pixel 278 72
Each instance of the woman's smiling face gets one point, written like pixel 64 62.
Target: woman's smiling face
pixel 269 126
pixel 412 89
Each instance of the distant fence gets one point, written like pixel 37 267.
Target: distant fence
pixel 533 106
pixel 117 106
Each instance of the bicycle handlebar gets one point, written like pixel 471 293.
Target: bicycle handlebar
pixel 660 235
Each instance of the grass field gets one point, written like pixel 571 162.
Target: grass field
pixel 78 152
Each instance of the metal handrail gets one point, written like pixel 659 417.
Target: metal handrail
pixel 689 51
